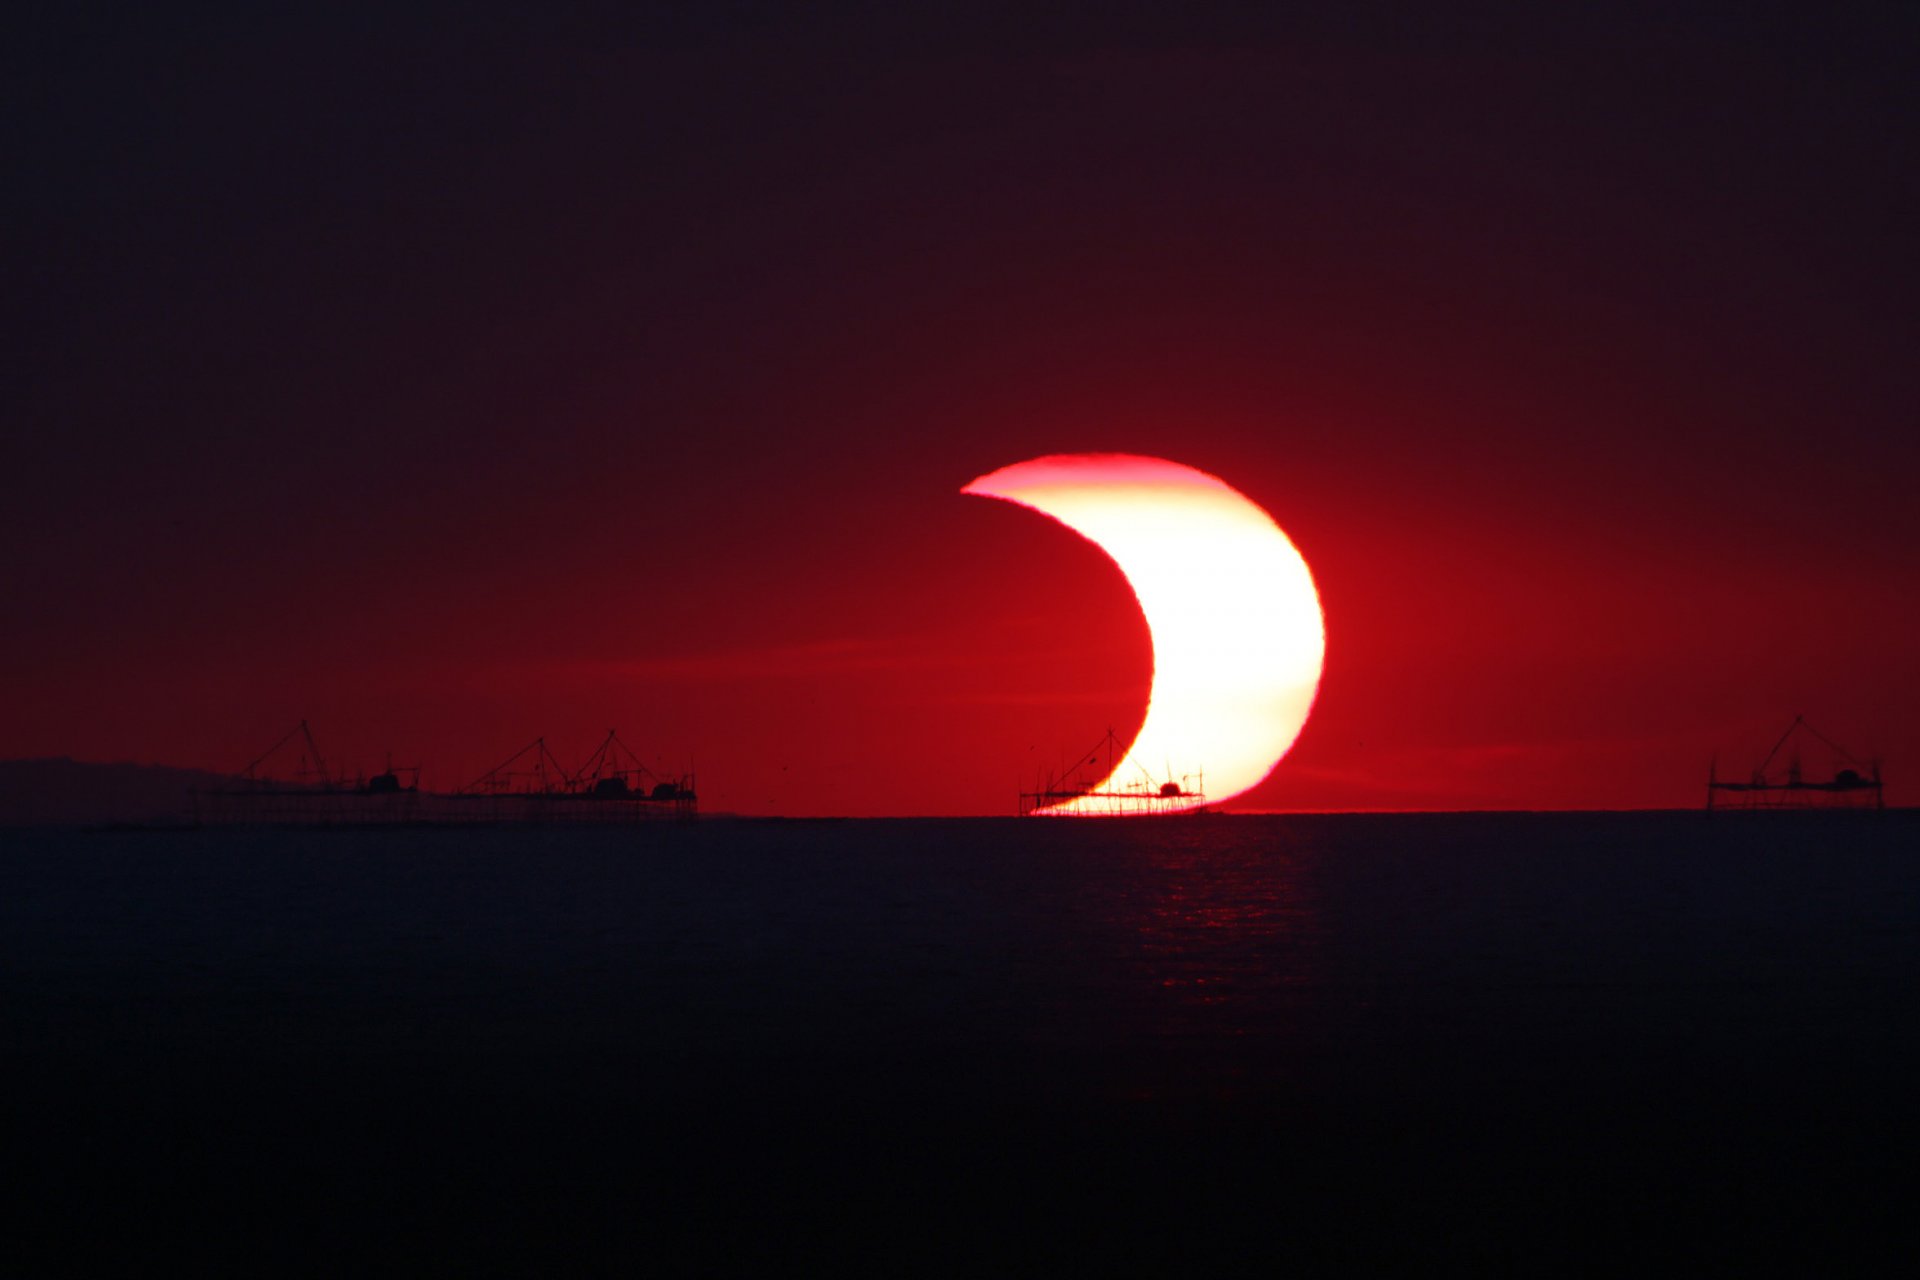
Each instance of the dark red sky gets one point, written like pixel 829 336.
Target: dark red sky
pixel 448 378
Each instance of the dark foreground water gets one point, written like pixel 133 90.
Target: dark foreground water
pixel 978 1047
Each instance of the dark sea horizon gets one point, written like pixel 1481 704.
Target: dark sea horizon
pixel 979 1046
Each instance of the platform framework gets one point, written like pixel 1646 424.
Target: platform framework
pixel 529 788
pixel 1853 784
pixel 1140 797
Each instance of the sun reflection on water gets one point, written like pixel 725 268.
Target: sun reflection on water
pixel 1225 952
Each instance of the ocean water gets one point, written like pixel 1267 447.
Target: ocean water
pixel 1340 1044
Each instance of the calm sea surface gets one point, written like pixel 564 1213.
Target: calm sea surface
pixel 977 1047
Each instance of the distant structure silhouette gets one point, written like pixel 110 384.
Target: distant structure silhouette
pixel 1852 784
pixel 1111 798
pixel 313 795
pixel 530 787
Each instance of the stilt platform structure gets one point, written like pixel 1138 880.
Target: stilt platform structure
pixel 1095 793
pixel 312 795
pixel 529 788
pixel 1852 784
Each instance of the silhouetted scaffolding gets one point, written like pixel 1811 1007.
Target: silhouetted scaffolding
pixel 1851 784
pixel 532 787
pixel 1097 793
pixel 312 795
pixel 529 788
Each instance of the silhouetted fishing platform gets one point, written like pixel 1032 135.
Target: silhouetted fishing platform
pixel 529 788
pixel 1098 797
pixel 1851 785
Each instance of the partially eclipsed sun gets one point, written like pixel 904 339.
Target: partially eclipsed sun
pixel 1238 639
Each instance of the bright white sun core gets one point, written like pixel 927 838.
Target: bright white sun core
pixel 1238 637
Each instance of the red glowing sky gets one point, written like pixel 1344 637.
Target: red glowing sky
pixel 450 387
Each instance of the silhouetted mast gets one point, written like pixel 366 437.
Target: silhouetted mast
pixel 316 770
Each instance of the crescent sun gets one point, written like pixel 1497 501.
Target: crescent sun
pixel 1238 636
